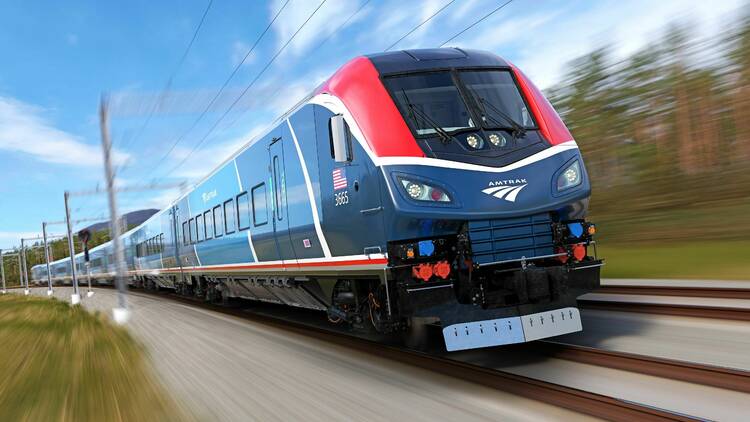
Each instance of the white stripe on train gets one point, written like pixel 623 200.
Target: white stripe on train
pixel 335 105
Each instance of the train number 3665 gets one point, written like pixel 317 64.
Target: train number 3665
pixel 342 198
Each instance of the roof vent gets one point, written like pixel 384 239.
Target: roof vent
pixel 436 54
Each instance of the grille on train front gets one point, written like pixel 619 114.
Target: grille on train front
pixel 510 238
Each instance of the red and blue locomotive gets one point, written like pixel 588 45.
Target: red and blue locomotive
pixel 422 186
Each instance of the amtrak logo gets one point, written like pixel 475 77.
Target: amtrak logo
pixel 506 189
pixel 208 195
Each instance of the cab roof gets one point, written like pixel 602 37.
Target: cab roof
pixel 432 58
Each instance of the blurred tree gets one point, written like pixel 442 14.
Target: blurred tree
pixel 665 130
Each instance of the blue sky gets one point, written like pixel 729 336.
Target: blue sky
pixel 59 57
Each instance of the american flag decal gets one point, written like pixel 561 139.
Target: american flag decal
pixel 339 179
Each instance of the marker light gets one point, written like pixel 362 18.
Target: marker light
pixel 419 191
pixel 570 177
pixel 497 140
pixel 474 141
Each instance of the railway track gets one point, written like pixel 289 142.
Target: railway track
pixel 730 302
pixel 715 376
pixel 581 401
pixel 697 311
pixel 684 291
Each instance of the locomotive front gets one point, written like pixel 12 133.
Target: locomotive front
pixel 486 199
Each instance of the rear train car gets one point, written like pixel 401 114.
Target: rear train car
pixel 423 186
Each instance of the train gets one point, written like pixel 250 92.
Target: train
pixel 415 188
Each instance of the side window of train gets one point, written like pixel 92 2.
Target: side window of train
pixel 185 234
pixel 191 228
pixel 229 217
pixel 200 228
pixel 260 214
pixel 218 221
pixel 340 139
pixel 208 218
pixel 243 211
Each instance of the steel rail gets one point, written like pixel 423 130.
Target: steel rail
pixel 697 311
pixel 581 401
pixel 696 373
pixel 685 291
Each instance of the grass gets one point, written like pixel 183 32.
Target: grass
pixel 718 259
pixel 61 363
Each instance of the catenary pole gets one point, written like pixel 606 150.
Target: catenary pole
pixel 75 298
pixel 24 271
pixel 2 270
pixel 20 269
pixel 120 313
pixel 46 257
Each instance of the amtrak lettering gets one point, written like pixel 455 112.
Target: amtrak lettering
pixel 208 195
pixel 507 190
pixel 507 182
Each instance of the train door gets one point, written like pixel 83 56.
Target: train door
pixel 279 199
pixel 174 261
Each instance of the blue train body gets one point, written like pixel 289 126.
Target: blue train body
pixel 424 185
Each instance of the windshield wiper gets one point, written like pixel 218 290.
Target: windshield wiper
pixel 518 130
pixel 444 137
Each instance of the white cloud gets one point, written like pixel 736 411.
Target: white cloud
pixel 542 43
pixel 23 129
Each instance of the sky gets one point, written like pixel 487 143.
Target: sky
pixel 60 58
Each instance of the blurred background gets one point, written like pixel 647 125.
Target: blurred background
pixel 666 137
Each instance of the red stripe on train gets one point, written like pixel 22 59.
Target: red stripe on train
pixel 352 262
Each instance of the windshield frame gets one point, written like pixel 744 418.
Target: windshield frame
pixel 468 101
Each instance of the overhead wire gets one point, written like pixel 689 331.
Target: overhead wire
pixel 278 86
pixel 168 85
pixel 218 93
pixel 338 28
pixel 420 25
pixel 476 22
pixel 247 88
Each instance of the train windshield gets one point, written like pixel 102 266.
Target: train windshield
pixel 498 98
pixel 430 102
pixel 436 103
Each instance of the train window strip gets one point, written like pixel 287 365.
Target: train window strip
pixel 260 212
pixel 229 217
pixel 243 211
pixel 218 221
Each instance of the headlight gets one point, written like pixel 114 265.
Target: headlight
pixel 474 141
pixel 497 140
pixel 419 191
pixel 570 177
